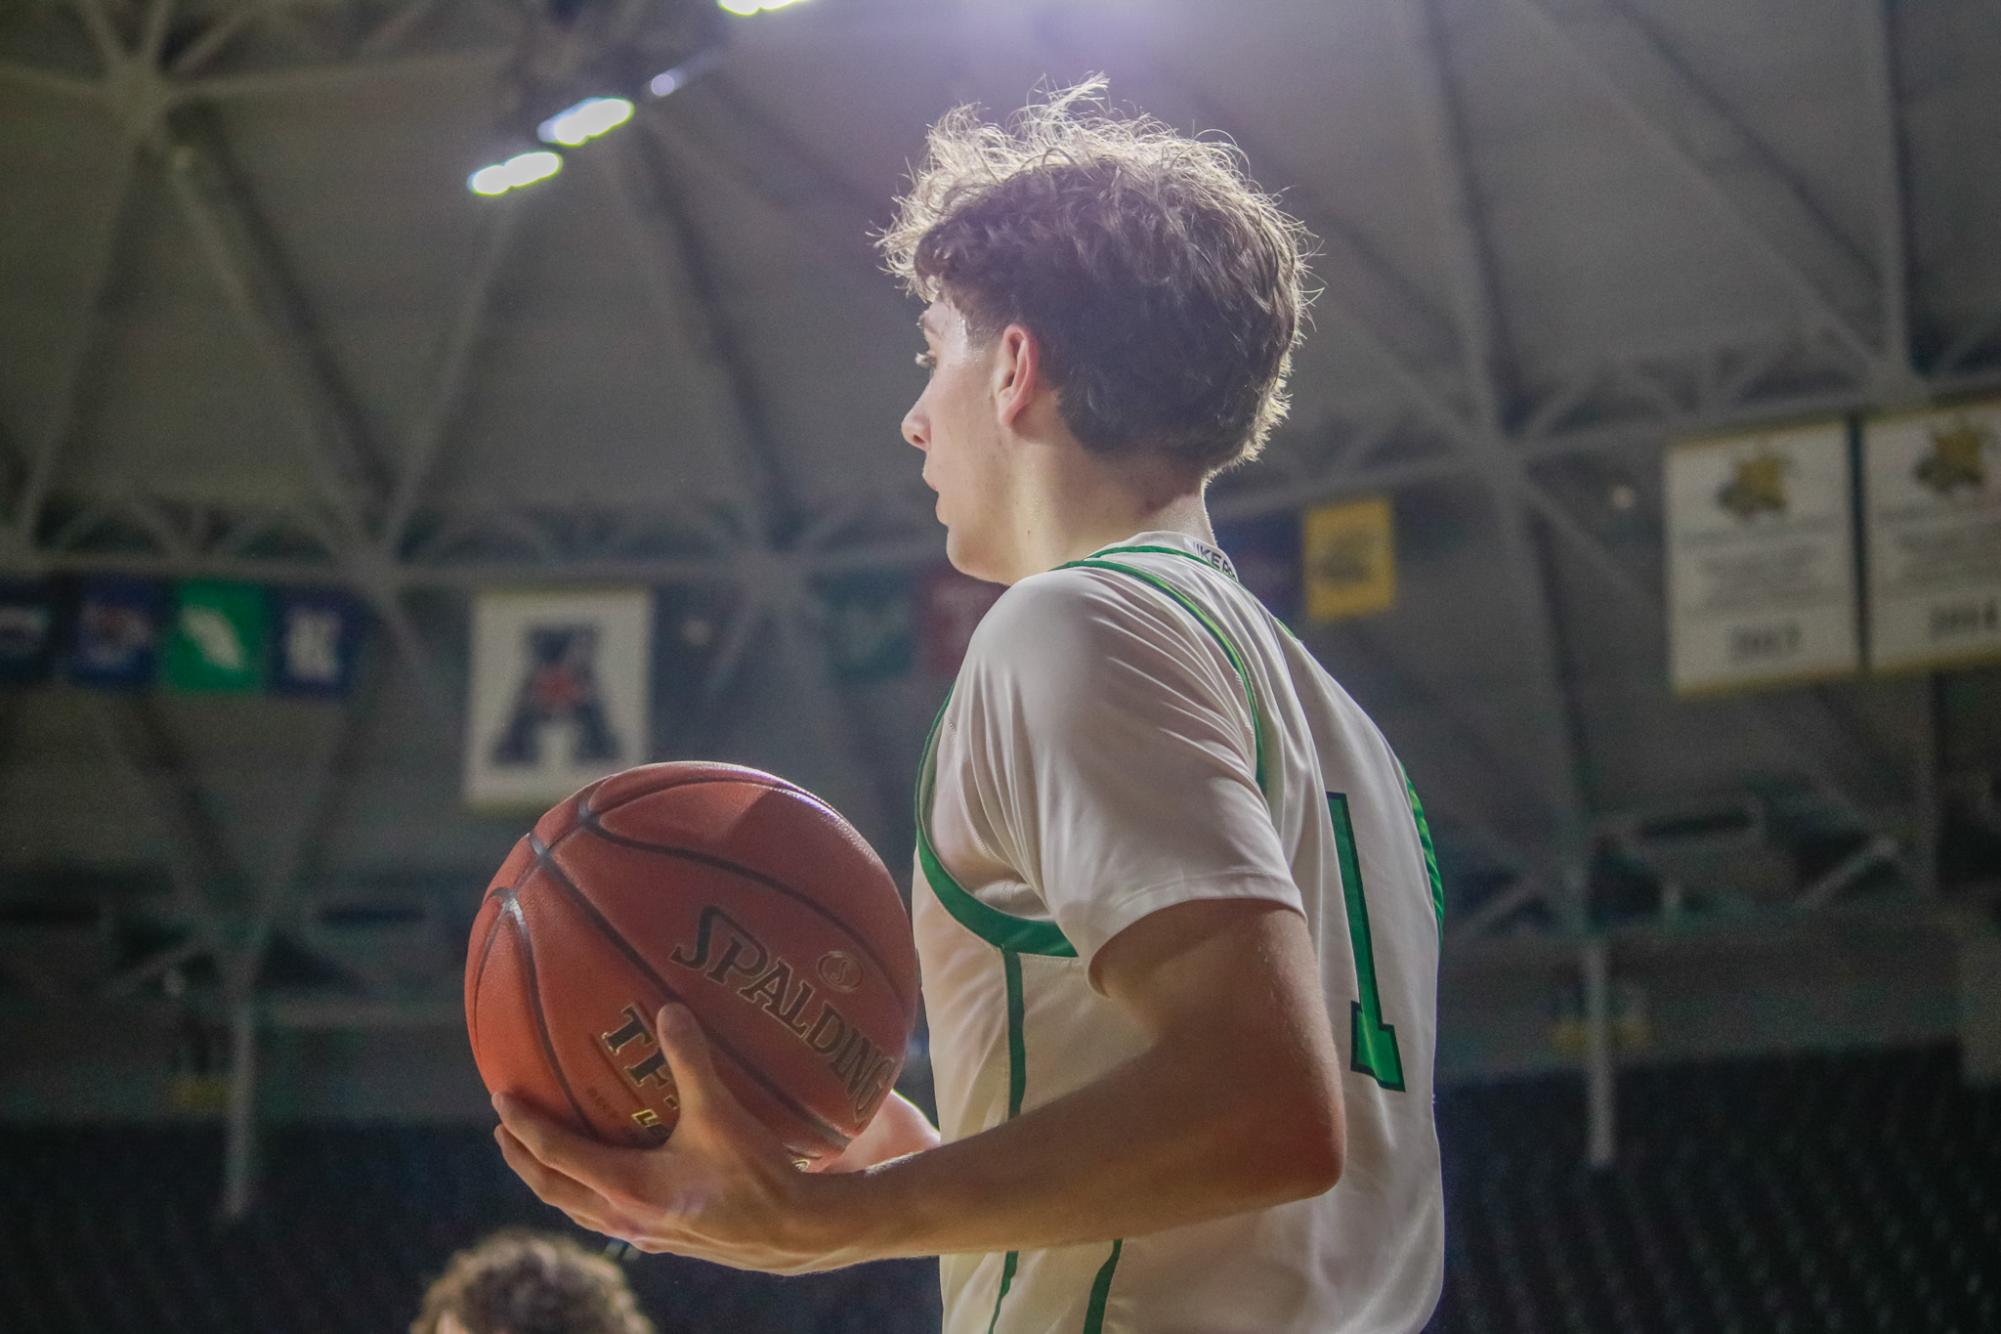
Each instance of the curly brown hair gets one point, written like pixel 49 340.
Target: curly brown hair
pixel 522 1282
pixel 1166 289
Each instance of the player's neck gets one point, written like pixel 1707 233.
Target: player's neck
pixel 1087 505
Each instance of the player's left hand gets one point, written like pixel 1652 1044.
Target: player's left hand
pixel 722 1188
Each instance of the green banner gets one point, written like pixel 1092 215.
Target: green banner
pixel 218 640
pixel 871 632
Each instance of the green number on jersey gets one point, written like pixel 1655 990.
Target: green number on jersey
pixel 1374 1042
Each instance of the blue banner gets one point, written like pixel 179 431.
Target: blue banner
pixel 114 641
pixel 27 630
pixel 315 640
pixel 1266 552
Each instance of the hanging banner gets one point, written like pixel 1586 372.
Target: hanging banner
pixel 315 640
pixel 869 628
pixel 1761 558
pixel 27 630
pixel 1266 554
pixel 115 638
pixel 217 640
pixel 1350 559
pixel 1932 494
pixel 559 694
pixel 950 607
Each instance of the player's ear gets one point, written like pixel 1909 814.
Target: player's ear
pixel 1017 372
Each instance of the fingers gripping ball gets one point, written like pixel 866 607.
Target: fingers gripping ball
pixel 749 900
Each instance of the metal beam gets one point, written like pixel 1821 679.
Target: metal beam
pixel 1315 210
pixel 1694 90
pixel 191 847
pixel 665 253
pixel 469 64
pixel 318 788
pixel 57 435
pixel 1473 292
pixel 427 438
pixel 1646 599
pixel 263 296
pixel 1672 151
pixel 34 79
pixel 1877 19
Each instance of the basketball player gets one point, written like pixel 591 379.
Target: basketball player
pixel 519 1282
pixel 1175 901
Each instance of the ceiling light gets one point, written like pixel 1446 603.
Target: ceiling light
pixel 745 8
pixel 585 121
pixel 519 170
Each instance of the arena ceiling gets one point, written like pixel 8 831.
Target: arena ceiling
pixel 253 324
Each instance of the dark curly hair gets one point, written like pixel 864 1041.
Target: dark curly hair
pixel 1166 290
pixel 521 1282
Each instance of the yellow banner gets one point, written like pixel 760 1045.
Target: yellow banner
pixel 1351 561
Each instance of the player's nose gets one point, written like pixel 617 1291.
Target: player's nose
pixel 916 430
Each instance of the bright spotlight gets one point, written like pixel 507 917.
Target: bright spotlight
pixel 745 8
pixel 519 170
pixel 585 121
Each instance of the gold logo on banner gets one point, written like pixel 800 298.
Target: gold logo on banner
pixel 1757 486
pixel 1350 556
pixel 1957 458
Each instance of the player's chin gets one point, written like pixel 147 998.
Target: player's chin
pixel 965 555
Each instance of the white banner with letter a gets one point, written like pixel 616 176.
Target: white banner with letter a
pixel 559 694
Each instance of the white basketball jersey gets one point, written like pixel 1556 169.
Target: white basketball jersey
pixel 1129 732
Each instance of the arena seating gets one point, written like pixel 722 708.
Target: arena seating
pixel 1783 1194
pixel 1850 1192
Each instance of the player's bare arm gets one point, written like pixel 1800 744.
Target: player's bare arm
pixel 1235 1106
pixel 899 1127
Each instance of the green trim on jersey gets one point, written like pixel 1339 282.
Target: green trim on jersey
pixel 1163 551
pixel 1430 852
pixel 1017 1038
pixel 1017 1087
pixel 1003 930
pixel 1101 1289
pixel 1216 632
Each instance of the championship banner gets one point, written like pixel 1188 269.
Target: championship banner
pixel 950 607
pixel 315 640
pixel 1349 559
pixel 216 643
pixel 869 628
pixel 1932 491
pixel 115 638
pixel 1267 555
pixel 27 630
pixel 1761 558
pixel 559 693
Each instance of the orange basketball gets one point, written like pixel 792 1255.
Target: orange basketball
pixel 746 898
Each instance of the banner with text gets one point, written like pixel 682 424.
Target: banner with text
pixel 216 641
pixel 1761 558
pixel 1350 559
pixel 559 693
pixel 315 641
pixel 27 630
pixel 115 638
pixel 1932 496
